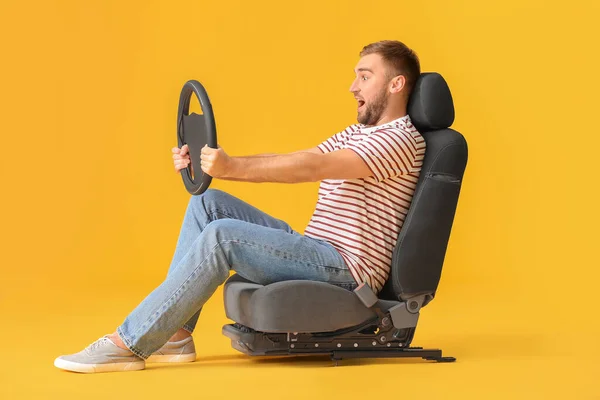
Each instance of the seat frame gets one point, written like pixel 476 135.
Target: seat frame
pixel 388 335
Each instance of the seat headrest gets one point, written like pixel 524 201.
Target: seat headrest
pixel 430 106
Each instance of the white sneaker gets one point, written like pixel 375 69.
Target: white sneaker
pixel 175 352
pixel 101 356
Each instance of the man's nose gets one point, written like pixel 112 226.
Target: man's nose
pixel 353 87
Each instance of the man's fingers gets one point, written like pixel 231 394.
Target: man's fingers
pixel 181 166
pixel 181 157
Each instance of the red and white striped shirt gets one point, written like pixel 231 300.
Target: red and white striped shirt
pixel 362 217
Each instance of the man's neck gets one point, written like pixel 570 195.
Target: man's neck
pixel 395 109
pixel 385 118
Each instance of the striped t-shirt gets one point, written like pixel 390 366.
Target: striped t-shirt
pixel 362 217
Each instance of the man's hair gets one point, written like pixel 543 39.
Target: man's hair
pixel 400 59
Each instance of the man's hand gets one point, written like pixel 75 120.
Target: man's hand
pixel 181 158
pixel 215 162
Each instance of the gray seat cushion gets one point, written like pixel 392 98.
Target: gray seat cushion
pixel 294 306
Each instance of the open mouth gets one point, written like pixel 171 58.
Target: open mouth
pixel 361 103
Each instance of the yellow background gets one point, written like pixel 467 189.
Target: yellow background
pixel 91 208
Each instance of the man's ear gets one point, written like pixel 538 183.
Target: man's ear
pixel 397 84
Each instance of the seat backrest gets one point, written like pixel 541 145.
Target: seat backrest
pixel 421 247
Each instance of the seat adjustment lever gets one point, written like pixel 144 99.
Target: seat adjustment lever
pixel 366 295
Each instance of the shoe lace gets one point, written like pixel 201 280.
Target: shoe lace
pixel 97 344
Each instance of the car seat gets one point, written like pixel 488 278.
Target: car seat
pixel 302 317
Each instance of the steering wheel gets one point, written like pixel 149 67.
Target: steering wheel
pixel 196 131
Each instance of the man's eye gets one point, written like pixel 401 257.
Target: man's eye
pixel 364 78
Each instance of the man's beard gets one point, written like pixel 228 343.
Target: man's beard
pixel 375 109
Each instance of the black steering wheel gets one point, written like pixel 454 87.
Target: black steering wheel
pixel 196 131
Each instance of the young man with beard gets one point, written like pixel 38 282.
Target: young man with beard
pixel 368 174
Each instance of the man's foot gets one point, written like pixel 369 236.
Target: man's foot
pixel 175 352
pixel 101 356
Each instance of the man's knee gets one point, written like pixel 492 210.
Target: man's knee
pixel 211 196
pixel 206 199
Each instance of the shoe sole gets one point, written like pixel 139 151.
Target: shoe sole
pixel 171 358
pixel 92 368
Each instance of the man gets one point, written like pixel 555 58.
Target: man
pixel 368 174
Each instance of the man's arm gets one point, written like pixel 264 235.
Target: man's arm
pixel 313 150
pixel 298 167
pixel 260 155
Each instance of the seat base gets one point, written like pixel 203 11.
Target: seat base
pixel 364 341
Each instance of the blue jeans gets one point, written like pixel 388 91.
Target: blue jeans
pixel 221 233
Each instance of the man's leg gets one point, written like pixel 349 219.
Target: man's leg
pixel 259 253
pixel 203 209
pixel 219 232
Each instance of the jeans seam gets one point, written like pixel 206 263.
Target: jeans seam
pixel 294 259
pixel 220 211
pixel 217 211
pixel 325 267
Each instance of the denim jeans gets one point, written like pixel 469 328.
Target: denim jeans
pixel 221 233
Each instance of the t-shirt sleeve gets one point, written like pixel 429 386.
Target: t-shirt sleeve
pixel 336 141
pixel 387 153
pixel 331 144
